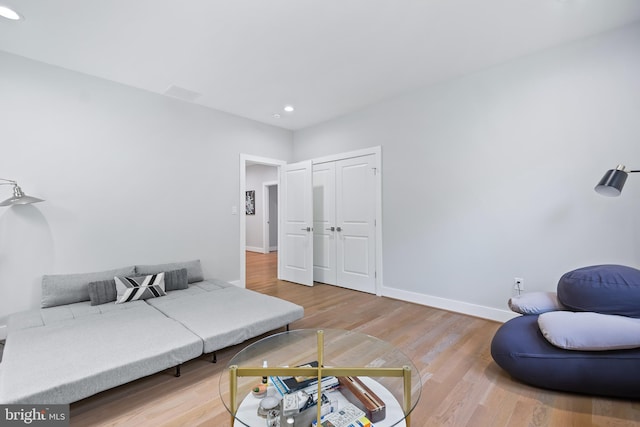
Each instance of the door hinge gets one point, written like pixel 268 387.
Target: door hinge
pixel 375 170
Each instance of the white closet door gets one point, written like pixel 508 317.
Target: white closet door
pixel 324 223
pixel 296 237
pixel 355 223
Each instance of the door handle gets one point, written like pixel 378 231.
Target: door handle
pixel 338 229
pixel 331 229
pixel 306 229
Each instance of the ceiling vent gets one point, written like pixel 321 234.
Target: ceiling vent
pixel 182 93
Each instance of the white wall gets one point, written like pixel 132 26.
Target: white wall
pixel 256 176
pixel 490 176
pixel 485 177
pixel 128 177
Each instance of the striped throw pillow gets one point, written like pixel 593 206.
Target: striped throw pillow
pixel 139 288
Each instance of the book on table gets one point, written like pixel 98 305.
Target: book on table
pixel 307 384
pixel 300 382
pixel 348 416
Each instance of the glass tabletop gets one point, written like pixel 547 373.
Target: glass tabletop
pixel 388 372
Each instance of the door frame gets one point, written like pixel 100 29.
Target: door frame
pixel 266 199
pixel 245 160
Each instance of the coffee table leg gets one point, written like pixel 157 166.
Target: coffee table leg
pixel 320 366
pixel 233 391
pixel 407 394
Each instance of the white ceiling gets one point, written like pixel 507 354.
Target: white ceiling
pixel 326 57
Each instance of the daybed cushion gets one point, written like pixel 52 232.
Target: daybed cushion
pixel 520 349
pixel 607 289
pixel 60 289
pixel 223 314
pixel 535 303
pixel 590 331
pixel 64 354
pixel 194 269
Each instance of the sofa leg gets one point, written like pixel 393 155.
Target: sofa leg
pixel 178 371
pixel 287 327
pixel 214 359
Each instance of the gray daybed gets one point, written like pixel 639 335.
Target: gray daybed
pixel 71 349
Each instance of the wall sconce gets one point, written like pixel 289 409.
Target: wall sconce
pixel 612 182
pixel 18 198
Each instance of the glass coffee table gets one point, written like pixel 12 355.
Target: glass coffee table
pixel 385 372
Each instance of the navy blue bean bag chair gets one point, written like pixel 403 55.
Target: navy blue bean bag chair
pixel 520 347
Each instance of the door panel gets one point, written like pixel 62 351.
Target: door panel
pixel 296 239
pixel 355 215
pixel 324 218
pixel 356 258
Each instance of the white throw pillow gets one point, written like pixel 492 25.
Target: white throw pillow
pixel 139 288
pixel 590 331
pixel 535 303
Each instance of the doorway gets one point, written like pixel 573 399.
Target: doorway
pixel 248 221
pixel 259 178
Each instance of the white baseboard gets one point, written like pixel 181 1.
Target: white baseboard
pixel 254 249
pixel 3 332
pixel 235 282
pixel 450 305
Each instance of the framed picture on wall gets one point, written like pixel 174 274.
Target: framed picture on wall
pixel 250 202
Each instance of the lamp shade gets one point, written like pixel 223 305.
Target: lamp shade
pixel 19 198
pixel 612 182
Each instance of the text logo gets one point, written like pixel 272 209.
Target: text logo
pixel 35 415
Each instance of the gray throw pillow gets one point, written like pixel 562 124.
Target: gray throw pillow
pixel 61 289
pixel 175 280
pixel 102 292
pixel 194 269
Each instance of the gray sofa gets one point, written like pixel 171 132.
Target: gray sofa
pixel 70 349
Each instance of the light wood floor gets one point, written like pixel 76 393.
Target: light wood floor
pixel 462 386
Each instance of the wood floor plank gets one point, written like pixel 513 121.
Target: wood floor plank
pixel 462 386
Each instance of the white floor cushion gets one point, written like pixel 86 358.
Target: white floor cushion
pixel 589 331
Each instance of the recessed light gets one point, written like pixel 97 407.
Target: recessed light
pixel 8 13
pixel 289 108
pixel 276 116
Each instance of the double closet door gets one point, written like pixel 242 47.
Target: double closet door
pixel 344 223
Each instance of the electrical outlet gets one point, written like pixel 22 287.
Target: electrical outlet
pixel 518 284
